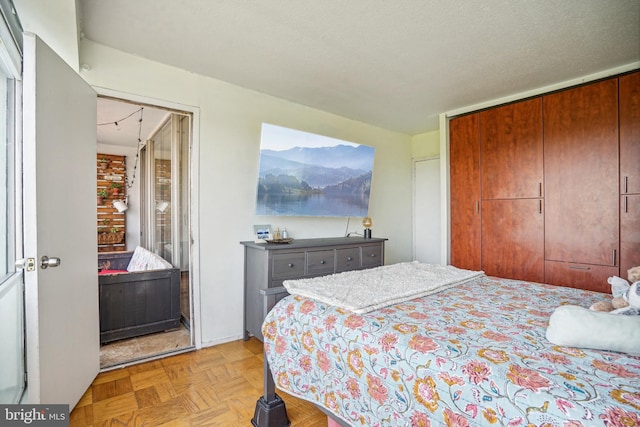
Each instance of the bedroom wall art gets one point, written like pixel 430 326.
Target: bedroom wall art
pixel 305 174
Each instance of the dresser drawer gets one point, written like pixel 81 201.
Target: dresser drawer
pixel 270 265
pixel 372 256
pixel 288 265
pixel 347 259
pixel 320 262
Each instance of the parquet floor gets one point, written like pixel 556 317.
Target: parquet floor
pixel 215 386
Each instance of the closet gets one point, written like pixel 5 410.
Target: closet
pixel 548 189
pixel 511 191
pixel 581 182
pixel 629 172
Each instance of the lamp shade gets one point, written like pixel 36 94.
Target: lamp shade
pixel 367 222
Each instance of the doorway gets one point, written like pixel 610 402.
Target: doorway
pixel 156 144
pixel 426 211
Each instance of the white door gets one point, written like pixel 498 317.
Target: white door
pixel 426 215
pixel 59 158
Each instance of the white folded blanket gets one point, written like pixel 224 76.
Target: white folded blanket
pixel 362 291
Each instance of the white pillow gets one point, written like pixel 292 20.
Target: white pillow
pixel 574 326
pixel 143 260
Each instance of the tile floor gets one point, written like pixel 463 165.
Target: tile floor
pixel 133 349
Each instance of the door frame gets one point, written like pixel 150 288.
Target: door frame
pixel 194 171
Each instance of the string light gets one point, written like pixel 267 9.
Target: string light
pixel 117 125
pixel 135 165
pixel 120 120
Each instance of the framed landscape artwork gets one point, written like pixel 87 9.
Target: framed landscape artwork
pixel 304 174
pixel 261 232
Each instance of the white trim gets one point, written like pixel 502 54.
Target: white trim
pixel 444 190
pixel 194 273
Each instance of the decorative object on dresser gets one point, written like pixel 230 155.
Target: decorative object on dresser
pixel 367 222
pixel 262 233
pixel 267 266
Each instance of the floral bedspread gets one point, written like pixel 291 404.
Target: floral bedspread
pixel 471 355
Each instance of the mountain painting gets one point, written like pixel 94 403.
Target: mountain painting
pixel 304 174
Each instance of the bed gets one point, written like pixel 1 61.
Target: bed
pixel 471 354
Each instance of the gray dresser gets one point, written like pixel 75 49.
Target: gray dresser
pixel 268 265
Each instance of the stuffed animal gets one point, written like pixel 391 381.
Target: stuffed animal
pixel 632 296
pixel 626 297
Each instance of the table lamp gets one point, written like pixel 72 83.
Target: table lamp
pixel 367 223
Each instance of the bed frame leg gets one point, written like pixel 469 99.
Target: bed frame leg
pixel 270 409
pixel 270 414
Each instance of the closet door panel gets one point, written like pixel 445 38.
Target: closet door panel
pixel 464 170
pixel 630 133
pixel 513 239
pixel 511 150
pixel 630 232
pixel 581 174
pixel 581 276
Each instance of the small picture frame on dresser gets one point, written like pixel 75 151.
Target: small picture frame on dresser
pixel 262 233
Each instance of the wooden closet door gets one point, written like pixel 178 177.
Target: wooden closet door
pixel 513 239
pixel 581 174
pixel 511 150
pixel 464 170
pixel 630 134
pixel 629 172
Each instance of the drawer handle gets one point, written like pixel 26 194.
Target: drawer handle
pixel 578 267
pixel 349 258
pixel 321 261
pixel 372 255
pixel 290 265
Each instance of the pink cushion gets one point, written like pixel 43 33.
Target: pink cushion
pixel 112 271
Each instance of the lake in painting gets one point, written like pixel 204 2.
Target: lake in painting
pixel 304 174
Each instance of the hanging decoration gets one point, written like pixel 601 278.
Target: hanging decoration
pixel 117 123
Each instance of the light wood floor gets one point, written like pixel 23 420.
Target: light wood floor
pixel 215 386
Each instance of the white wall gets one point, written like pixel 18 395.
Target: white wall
pixel 426 145
pixel 230 125
pixel 55 23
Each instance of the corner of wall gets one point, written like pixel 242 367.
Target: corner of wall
pixel 425 144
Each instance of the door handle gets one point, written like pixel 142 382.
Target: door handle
pixel 46 262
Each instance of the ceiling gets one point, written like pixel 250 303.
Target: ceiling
pixel 119 122
pixel 394 64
